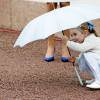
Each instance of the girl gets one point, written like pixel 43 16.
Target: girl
pixel 87 43
pixel 51 41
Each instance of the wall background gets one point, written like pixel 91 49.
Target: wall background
pixel 16 13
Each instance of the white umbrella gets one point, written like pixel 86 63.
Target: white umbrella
pixel 44 1
pixel 90 2
pixel 55 21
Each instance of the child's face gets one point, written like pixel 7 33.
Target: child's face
pixel 76 36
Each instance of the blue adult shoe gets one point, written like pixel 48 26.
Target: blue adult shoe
pixel 49 59
pixel 64 59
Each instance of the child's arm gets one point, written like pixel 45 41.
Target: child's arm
pixel 80 47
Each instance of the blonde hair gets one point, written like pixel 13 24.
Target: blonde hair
pixel 87 26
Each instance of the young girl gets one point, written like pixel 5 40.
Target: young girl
pixel 87 43
pixel 51 40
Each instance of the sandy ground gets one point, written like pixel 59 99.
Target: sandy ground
pixel 25 76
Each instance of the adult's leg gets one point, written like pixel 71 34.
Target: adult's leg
pixel 63 4
pixel 51 42
pixel 51 6
pixel 65 52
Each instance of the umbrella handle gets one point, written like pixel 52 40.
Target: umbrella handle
pixel 76 71
pixel 78 76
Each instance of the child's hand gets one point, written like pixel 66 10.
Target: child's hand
pixel 72 59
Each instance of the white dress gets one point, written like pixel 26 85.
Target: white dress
pixel 90 55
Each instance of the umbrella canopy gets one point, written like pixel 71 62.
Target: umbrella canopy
pixel 44 1
pixel 55 21
pixel 92 2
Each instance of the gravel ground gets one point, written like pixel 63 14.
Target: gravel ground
pixel 25 76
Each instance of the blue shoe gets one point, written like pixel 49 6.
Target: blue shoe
pixel 64 59
pixel 49 59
